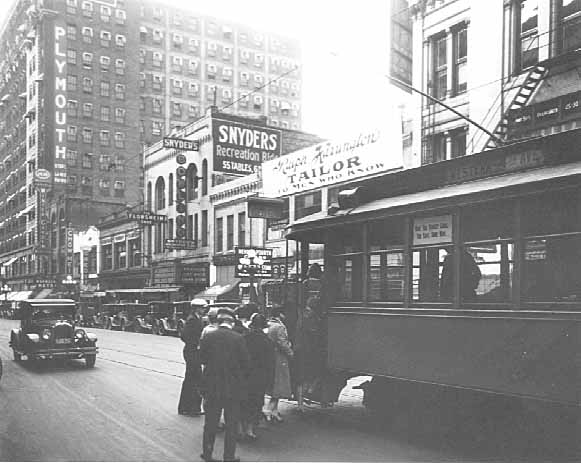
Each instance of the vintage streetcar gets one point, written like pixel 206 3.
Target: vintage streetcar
pixel 462 274
pixel 48 331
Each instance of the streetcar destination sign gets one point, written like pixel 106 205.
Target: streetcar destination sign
pixel 181 144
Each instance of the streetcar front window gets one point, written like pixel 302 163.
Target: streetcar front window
pixel 429 280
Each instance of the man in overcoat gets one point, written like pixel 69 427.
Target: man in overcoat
pixel 225 358
pixel 190 403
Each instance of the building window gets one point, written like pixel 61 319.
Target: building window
pixel 71 56
pixel 105 62
pixel 120 66
pixel 105 13
pixel 230 232
pixel 529 34
pixel 204 228
pixel 87 60
pixel 105 113
pixel 120 91
pixel 105 38
pixel 71 133
pixel 120 40
pixel 434 148
pixel 458 142
pixel 87 135
pixel 120 115
pixel 104 138
pixel 242 229
pixel 107 253
pixel 72 158
pixel 88 110
pixel 71 32
pixel 87 35
pixel 439 67
pixel 119 140
pixel 460 59
pixel 219 234
pixel 571 24
pixel 156 128
pixel 177 109
pixel 307 204
pixel 87 161
pixel 72 7
pixel 72 108
pixel 134 252
pixel 120 17
pixel 72 83
pixel 104 185
pixel 105 88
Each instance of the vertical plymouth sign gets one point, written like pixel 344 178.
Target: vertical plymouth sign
pixel 327 163
pixel 60 101
pixel 242 148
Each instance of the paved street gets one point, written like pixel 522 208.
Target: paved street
pixel 125 410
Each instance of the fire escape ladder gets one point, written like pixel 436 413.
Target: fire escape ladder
pixel 523 96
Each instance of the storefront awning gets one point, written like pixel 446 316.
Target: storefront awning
pixel 19 295
pixel 43 294
pixel 224 292
pixel 501 182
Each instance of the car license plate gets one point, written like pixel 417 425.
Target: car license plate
pixel 63 341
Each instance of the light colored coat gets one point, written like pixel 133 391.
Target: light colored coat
pixel 281 386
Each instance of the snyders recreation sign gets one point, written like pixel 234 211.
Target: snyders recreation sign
pixel 330 162
pixel 242 148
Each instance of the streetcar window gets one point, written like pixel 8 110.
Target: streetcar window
pixel 555 212
pixel 488 221
pixel 487 271
pixel 551 269
pixel 428 264
pixel 386 276
pixel 385 234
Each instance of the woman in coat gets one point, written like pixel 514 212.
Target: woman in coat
pixel 283 353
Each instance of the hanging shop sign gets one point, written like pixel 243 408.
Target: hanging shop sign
pixel 432 230
pixel 242 148
pixel 42 178
pixel 181 144
pixel 147 218
pixel 256 262
pixel 265 208
pixel 70 250
pixel 181 206
pixel 331 162
pixel 60 102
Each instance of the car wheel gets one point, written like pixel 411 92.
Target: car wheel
pixel 161 330
pixel 90 360
pixel 154 329
pixel 122 326
pixel 17 356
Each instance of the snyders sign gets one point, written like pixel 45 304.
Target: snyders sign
pixel 181 144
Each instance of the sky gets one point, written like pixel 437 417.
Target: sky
pixel 344 48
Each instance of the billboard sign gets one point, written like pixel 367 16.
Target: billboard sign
pixel 177 243
pixel 365 154
pixel 242 148
pixel 147 217
pixel 256 262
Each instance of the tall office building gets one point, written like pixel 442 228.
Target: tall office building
pixel 86 84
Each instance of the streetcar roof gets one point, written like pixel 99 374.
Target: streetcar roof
pixel 424 200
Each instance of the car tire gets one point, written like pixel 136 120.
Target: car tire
pixel 122 326
pixel 90 360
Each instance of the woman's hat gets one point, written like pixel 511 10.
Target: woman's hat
pixel 257 320
pixel 225 313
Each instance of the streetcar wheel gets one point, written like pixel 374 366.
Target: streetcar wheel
pixel 90 360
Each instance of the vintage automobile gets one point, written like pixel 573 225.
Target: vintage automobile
pixel 48 330
pixel 172 317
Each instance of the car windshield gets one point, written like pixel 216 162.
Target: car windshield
pixel 52 313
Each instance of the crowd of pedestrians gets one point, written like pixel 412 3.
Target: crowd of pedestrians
pixel 240 357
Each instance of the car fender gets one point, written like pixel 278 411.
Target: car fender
pixel 164 323
pixel 15 334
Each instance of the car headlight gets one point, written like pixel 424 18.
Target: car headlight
pixel 92 337
pixel 46 334
pixel 80 334
pixel 33 337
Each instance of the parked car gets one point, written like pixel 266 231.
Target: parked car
pixel 174 317
pixel 48 330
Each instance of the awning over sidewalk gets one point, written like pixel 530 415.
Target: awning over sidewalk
pixel 223 292
pixel 43 294
pixel 19 295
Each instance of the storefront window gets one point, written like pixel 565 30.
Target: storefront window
pixel 427 282
pixel 134 252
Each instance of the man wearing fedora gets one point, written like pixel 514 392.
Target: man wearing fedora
pixel 225 358
pixel 190 403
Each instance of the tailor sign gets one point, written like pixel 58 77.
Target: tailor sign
pixel 242 148
pixel 367 153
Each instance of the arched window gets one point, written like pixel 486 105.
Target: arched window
pixel 170 190
pixel 160 193
pixel 149 204
pixel 205 177
pixel 192 182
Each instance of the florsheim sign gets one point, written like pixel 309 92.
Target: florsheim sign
pixel 367 153
pixel 242 148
